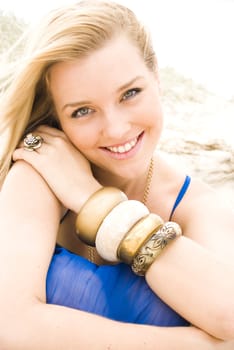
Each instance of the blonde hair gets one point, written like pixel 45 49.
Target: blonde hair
pixel 67 33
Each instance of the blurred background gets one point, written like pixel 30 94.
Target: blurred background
pixel 193 40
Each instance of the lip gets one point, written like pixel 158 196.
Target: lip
pixel 128 154
pixel 122 143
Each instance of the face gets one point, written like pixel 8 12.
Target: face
pixel 108 106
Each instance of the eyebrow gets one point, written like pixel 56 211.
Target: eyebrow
pixel 121 88
pixel 125 86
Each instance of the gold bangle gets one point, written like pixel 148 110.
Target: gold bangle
pixel 115 225
pixel 95 210
pixel 136 237
pixel 154 246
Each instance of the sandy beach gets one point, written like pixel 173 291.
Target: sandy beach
pixel 198 132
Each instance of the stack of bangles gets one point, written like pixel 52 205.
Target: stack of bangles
pixel 124 230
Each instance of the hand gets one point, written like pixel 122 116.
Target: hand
pixel 64 168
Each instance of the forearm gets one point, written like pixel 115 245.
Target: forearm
pixel 51 327
pixel 190 280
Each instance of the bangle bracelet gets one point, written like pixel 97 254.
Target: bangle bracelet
pixel 94 210
pixel 154 246
pixel 136 237
pixel 113 228
pixel 124 230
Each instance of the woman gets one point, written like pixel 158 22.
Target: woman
pixel 83 118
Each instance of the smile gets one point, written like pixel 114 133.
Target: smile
pixel 123 148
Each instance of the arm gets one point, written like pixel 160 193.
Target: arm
pixel 176 265
pixel 198 268
pixel 29 221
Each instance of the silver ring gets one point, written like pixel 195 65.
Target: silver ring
pixel 31 142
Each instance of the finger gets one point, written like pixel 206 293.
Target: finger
pixel 46 136
pixel 32 142
pixel 50 135
pixel 38 158
pixel 22 154
pixel 53 139
pixel 45 129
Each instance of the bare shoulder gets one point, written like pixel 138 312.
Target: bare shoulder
pixel 25 190
pixel 203 214
pixel 207 218
pixel 201 206
pixel 167 183
pixel 20 173
pixel 203 201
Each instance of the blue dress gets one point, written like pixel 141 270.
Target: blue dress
pixel 112 291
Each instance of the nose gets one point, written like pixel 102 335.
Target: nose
pixel 116 123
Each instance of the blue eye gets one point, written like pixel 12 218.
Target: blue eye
pixel 131 93
pixel 81 112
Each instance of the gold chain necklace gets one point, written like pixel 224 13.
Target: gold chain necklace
pixel 148 181
pixel 92 254
pixel 92 250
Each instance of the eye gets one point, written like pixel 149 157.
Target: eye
pixel 81 112
pixel 130 93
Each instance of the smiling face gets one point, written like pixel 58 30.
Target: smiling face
pixel 108 105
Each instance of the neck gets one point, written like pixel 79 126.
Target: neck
pixel 136 186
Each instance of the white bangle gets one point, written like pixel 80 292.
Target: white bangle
pixel 115 225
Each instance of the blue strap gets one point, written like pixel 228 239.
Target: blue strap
pixel 181 194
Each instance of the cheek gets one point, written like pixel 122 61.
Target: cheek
pixel 73 134
pixel 152 108
pixel 80 137
pixel 154 115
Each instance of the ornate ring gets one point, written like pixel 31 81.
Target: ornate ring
pixel 31 142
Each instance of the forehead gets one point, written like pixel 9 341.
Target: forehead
pixel 118 61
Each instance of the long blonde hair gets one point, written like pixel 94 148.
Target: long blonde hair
pixel 67 33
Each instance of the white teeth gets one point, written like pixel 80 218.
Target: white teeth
pixel 123 148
